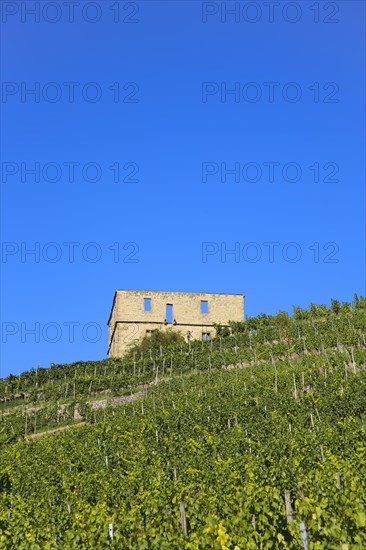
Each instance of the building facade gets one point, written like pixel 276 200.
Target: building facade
pixel 137 313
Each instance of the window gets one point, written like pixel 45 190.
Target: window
pixel 204 306
pixel 147 304
pixel 206 336
pixel 169 314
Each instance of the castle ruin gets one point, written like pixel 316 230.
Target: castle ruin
pixel 137 313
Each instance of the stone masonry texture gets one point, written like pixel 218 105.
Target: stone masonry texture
pixel 129 322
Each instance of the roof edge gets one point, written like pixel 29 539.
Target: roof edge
pixel 179 291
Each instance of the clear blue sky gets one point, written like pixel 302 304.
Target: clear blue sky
pixel 293 129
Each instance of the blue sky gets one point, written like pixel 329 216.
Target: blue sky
pixel 131 134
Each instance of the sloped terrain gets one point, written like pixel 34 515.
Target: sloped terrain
pixel 256 439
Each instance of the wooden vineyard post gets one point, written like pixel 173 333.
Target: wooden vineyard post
pixel 305 349
pixel 183 518
pixel 11 503
pixel 289 510
pixel 295 388
pixel 276 383
pixel 338 480
pixel 353 361
pixel 252 521
pixel 322 452
pixel 312 420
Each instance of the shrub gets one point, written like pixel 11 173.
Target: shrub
pixel 158 339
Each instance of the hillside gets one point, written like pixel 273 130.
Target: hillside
pixel 255 439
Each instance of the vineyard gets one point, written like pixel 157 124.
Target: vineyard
pixel 253 440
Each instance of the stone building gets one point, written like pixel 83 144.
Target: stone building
pixel 137 313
